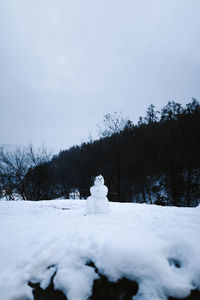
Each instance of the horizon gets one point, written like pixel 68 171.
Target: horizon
pixel 11 147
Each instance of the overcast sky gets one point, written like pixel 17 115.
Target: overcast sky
pixel 64 64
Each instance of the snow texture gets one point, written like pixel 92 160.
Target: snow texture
pixel 156 246
pixel 98 202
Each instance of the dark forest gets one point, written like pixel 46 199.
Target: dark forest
pixel 156 161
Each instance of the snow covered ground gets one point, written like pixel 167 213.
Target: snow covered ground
pixel 159 247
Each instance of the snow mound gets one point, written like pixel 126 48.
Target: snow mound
pixel 157 247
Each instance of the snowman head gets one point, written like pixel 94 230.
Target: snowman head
pixel 99 180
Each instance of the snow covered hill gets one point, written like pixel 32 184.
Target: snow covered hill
pixel 157 247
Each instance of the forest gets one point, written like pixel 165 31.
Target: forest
pixel 155 161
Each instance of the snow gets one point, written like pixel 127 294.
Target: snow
pixel 156 246
pixel 98 202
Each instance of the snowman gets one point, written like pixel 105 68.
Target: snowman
pixel 98 202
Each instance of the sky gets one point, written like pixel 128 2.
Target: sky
pixel 64 64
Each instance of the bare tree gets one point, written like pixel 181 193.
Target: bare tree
pixel 14 166
pixel 112 124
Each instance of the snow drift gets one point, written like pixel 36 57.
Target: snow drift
pixel 157 247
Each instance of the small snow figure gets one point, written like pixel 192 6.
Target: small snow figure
pixel 98 202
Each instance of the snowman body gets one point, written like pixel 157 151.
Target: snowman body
pixel 98 201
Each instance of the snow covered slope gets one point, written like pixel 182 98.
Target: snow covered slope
pixel 159 247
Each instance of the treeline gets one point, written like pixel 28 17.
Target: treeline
pixel 155 161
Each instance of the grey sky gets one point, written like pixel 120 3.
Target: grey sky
pixel 63 64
